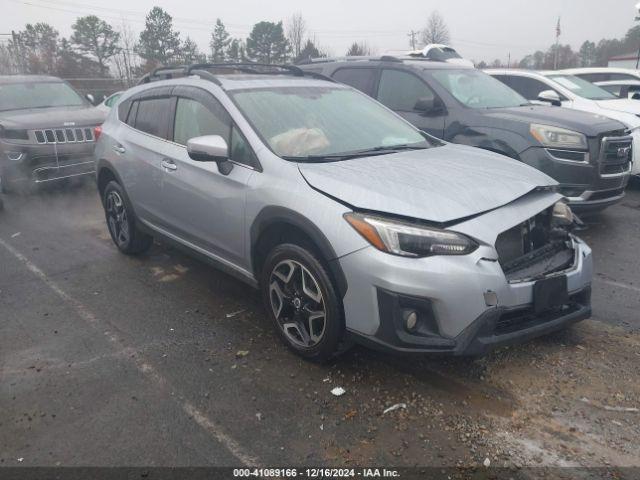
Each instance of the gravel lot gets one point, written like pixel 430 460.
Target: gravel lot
pixel 161 360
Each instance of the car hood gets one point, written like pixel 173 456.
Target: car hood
pixel 620 105
pixel 52 117
pixel 590 124
pixel 441 184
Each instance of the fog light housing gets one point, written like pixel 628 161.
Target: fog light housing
pixel 410 319
pixel 15 156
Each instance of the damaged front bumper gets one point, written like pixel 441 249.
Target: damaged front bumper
pixel 466 305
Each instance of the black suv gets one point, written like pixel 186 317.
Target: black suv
pixel 589 155
pixel 47 132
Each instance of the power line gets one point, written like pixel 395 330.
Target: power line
pixel 195 24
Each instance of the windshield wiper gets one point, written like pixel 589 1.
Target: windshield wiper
pixel 369 152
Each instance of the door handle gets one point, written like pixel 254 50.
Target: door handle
pixel 169 165
pixel 119 149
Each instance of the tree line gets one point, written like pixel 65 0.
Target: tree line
pixel 590 54
pixel 97 49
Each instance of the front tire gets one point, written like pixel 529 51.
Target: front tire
pixel 302 302
pixel 121 223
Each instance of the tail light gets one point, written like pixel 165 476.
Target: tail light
pixel 97 131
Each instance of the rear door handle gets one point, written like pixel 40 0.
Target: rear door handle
pixel 168 164
pixel 119 149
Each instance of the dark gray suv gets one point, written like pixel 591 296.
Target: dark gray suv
pixel 589 155
pixel 47 131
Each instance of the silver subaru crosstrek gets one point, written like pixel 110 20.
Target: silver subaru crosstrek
pixel 355 225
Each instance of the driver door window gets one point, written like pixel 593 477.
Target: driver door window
pixel 193 119
pixel 400 91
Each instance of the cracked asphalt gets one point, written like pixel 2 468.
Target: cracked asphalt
pixel 107 360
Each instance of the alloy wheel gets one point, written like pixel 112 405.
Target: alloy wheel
pixel 117 218
pixel 297 303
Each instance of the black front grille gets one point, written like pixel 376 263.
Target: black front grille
pixel 616 155
pixel 64 135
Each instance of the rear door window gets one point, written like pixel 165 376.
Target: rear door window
pixel 361 78
pixel 153 115
pixel 400 91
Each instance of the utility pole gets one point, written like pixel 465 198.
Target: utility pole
pixel 412 34
pixel 509 61
pixel 555 57
pixel 638 19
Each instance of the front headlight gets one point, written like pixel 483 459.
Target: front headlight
pixel 409 239
pixel 556 137
pixel 562 214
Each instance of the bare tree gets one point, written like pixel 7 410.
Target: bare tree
pixel 296 31
pixel 436 30
pixel 126 62
pixel 8 64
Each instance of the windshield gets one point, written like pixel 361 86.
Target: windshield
pixel 476 89
pixel 20 96
pixel 303 122
pixel 582 88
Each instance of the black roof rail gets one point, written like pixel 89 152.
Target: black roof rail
pixel 165 73
pixel 248 67
pixel 201 69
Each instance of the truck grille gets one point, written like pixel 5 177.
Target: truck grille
pixel 534 249
pixel 64 135
pixel 615 156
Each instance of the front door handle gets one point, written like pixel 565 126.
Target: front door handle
pixel 169 165
pixel 119 149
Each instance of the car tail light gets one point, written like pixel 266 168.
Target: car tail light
pixel 97 131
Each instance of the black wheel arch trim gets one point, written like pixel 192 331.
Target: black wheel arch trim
pixel 272 215
pixel 102 165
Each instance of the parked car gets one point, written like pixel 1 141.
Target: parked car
pixel 622 88
pixel 46 132
pixel 353 223
pixel 563 90
pixel 463 105
pixel 109 102
pixel 441 53
pixel 603 74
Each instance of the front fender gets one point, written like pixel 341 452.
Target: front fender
pixel 496 140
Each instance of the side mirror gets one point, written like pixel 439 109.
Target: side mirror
pixel 210 148
pixel 91 98
pixel 550 96
pixel 425 105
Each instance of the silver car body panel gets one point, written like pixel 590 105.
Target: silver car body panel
pixel 440 185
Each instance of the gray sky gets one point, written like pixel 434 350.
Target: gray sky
pixel 480 29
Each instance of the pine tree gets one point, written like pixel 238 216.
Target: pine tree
pixel 267 43
pixel 220 42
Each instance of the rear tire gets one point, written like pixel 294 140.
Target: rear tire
pixel 303 303
pixel 121 223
